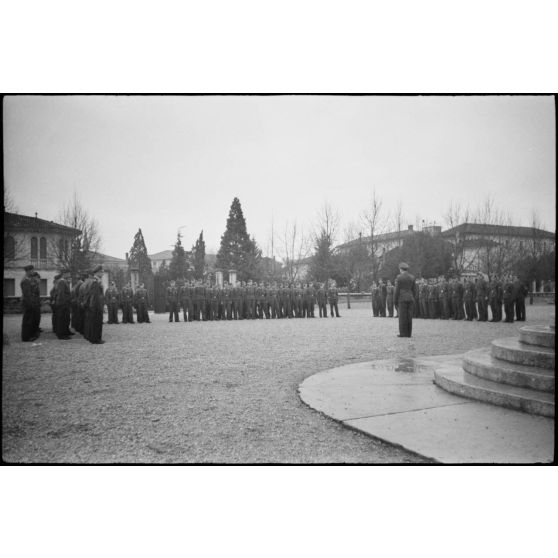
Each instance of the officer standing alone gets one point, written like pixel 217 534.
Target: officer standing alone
pixel 404 299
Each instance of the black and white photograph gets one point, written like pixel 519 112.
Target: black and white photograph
pixel 286 279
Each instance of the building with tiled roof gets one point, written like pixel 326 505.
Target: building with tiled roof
pixel 32 241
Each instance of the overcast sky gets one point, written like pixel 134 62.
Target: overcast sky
pixel 161 163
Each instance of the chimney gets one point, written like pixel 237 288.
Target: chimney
pixel 410 227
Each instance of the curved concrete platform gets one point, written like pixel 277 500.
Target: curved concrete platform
pixel 512 350
pixel 481 363
pixel 542 336
pixel 397 401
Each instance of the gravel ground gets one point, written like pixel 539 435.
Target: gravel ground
pixel 209 392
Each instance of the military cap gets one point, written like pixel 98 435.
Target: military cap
pixel 97 268
pixel 29 267
pixel 57 276
pixel 403 265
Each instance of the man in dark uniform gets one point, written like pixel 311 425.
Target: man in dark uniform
pixel 507 297
pixel 423 298
pixel 171 298
pixel 433 300
pixel 307 305
pixel 321 297
pixel 404 299
pixel 31 304
pixel 260 299
pixel 288 300
pixel 141 302
pixel 52 300
pixel 482 298
pixel 250 301
pixel 383 298
pixel 95 303
pixel 127 300
pixel 333 296
pixel 112 299
pixel 469 297
pixel 495 298
pixel 227 301
pixel 375 292
pixel 443 295
pixel 236 306
pixel 63 305
pixel 244 301
pixel 390 290
pixel 184 300
pixel 519 293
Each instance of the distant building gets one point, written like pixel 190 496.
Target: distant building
pixel 30 240
pixel 491 248
pixel 159 259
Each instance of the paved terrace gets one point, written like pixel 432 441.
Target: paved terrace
pixel 210 392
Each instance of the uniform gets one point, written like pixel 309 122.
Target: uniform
pixel 127 299
pixel 94 304
pixel 444 298
pixel 375 299
pixel 31 303
pixel 469 297
pixel 141 302
pixel 495 299
pixel 63 302
pixel 507 296
pixel 519 292
pixel 332 296
pixel 390 291
pixel 383 298
pixel 250 301
pixel 404 299
pixel 482 298
pixel 171 298
pixel 112 299
pixel 321 297
pixel 423 299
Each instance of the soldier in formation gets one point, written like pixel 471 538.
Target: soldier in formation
pixel 112 299
pixel 31 305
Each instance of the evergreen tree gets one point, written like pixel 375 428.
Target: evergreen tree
pixel 178 266
pixel 238 251
pixel 321 266
pixel 198 251
pixel 139 259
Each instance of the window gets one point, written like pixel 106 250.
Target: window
pixel 43 287
pixel 9 287
pixel 42 248
pixel 9 248
pixel 34 248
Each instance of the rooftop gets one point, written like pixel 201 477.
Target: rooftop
pixel 17 222
pixel 500 230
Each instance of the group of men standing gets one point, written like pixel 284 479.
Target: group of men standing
pixel 128 300
pixel 80 306
pixel 382 298
pixel 470 298
pixel 249 300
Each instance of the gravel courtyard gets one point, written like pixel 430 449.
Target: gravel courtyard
pixel 209 392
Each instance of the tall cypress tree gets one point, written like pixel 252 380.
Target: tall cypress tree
pixel 178 265
pixel 138 257
pixel 238 251
pixel 198 251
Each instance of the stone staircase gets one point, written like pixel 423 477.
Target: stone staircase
pixel 514 373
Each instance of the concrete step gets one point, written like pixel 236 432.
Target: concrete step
pixel 455 380
pixel 480 363
pixel 542 336
pixel 511 349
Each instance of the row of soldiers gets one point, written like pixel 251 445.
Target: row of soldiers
pixel 128 300
pixel 81 306
pixel 249 300
pixel 382 298
pixel 469 298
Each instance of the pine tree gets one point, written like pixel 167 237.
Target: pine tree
pixel 238 251
pixel 321 266
pixel 139 259
pixel 198 251
pixel 178 266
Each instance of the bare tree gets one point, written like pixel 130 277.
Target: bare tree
pixel 398 220
pixel 373 221
pixel 77 253
pixel 9 203
pixel 457 215
pixel 293 248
